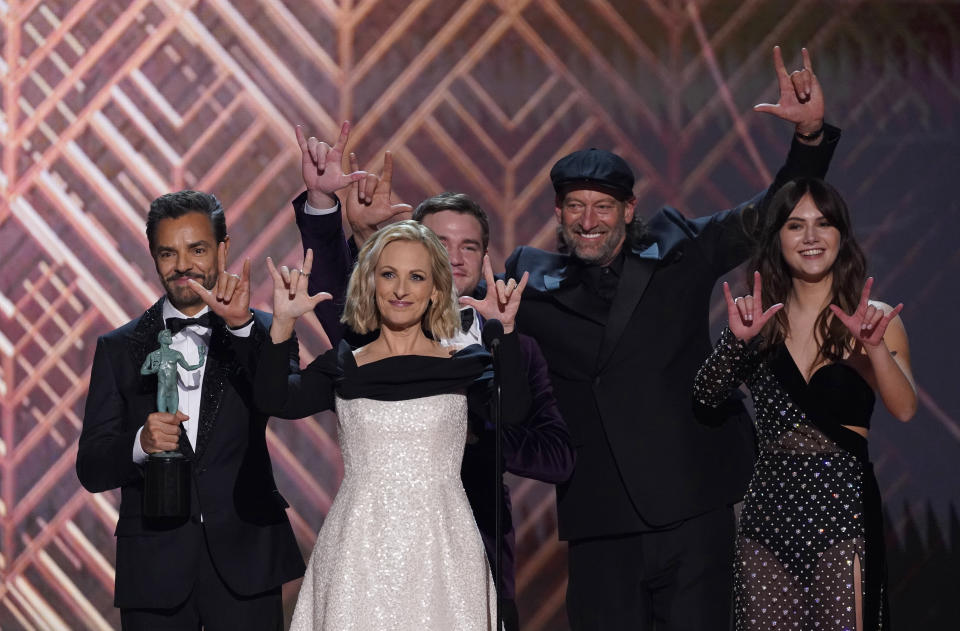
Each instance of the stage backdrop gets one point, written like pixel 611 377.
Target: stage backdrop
pixel 107 104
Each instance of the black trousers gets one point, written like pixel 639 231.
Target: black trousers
pixel 212 605
pixel 509 614
pixel 669 580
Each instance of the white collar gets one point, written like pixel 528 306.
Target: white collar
pixel 169 311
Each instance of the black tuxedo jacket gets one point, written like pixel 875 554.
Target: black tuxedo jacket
pixel 244 519
pixel 623 373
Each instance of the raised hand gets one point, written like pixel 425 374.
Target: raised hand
pixel 290 297
pixel 230 299
pixel 801 99
pixel 502 300
pixel 869 322
pixel 368 204
pixel 321 167
pixel 745 314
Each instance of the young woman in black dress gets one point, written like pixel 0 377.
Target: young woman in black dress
pixel 813 349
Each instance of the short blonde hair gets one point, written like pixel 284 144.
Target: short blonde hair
pixel 441 318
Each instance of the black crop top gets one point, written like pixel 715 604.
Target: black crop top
pixel 836 393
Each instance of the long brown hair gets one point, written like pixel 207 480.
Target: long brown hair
pixel 849 269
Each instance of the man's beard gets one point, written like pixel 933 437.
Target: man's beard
pixel 600 252
pixel 183 296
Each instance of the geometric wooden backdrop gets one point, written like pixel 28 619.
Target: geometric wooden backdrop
pixel 108 103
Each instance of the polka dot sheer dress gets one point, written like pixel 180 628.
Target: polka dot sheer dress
pixel 810 542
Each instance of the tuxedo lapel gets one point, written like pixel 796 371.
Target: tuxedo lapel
pixel 567 288
pixel 219 364
pixel 638 267
pixel 143 340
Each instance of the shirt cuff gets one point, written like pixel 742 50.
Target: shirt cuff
pixel 243 331
pixel 139 455
pixel 310 210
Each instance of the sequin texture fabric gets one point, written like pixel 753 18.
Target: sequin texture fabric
pixel 807 538
pixel 399 549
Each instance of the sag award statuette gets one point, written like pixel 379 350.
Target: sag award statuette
pixel 166 486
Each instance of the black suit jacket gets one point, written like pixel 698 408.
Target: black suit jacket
pixel 244 519
pixel 623 374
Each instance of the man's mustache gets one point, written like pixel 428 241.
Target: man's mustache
pixel 174 277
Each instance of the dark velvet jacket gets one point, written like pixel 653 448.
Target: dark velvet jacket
pixel 250 539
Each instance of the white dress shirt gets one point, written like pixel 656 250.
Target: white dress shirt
pixel 189 382
pixel 310 210
pixel 462 338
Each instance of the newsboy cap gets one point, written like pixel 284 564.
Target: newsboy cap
pixel 593 169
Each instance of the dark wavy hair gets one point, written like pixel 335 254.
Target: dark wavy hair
pixel 849 269
pixel 176 205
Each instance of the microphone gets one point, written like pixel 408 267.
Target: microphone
pixel 491 336
pixel 492 333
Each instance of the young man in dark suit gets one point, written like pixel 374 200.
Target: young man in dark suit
pixel 538 448
pixel 222 567
pixel 623 319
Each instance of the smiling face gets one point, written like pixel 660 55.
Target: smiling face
pixel 462 236
pixel 403 284
pixel 186 248
pixel 809 243
pixel 594 224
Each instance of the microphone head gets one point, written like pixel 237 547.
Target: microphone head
pixel 492 332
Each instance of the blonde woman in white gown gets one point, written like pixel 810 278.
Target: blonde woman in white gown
pixel 399 548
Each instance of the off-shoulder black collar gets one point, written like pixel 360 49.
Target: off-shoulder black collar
pixel 403 377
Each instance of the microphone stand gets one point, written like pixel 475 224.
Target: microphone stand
pixel 492 332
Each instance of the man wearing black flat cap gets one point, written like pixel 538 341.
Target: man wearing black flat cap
pixel 622 316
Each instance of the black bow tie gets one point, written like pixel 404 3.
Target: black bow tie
pixel 466 319
pixel 175 325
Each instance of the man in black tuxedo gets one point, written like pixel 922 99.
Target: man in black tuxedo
pixel 222 567
pixel 538 448
pixel 623 320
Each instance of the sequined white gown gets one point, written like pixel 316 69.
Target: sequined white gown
pixel 399 548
